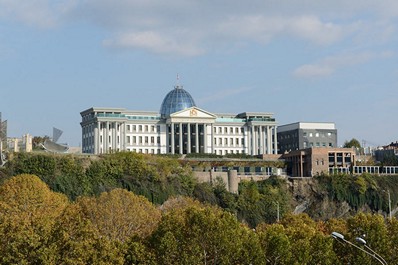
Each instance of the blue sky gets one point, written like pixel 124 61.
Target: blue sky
pixel 309 60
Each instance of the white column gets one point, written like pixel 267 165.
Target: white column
pixel 96 137
pixel 205 138
pixel 275 141
pixel 196 138
pixel 253 140
pixel 189 138
pixel 269 138
pixel 212 138
pixel 181 143
pixel 106 140
pixel 261 140
pixel 172 138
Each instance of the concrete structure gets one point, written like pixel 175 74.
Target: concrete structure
pixel 301 135
pixel 180 128
pixel 23 144
pixel 315 161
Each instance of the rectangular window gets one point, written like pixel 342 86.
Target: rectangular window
pixel 231 130
pixel 237 141
pixel 146 139
pixel 128 128
pixel 140 128
pixel 153 128
pixel 134 140
pixel 225 130
pixel 146 128
pixel 236 130
pixel 152 140
pixel 215 130
pixel 219 129
pixel 134 128
pixel 140 141
pixel 231 141
pixel 225 141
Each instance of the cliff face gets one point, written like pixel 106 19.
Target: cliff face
pixel 309 197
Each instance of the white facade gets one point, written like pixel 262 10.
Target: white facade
pixel 191 130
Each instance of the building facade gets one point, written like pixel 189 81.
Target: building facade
pixel 180 128
pixel 302 135
pixel 316 161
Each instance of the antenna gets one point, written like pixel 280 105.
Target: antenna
pixel 178 85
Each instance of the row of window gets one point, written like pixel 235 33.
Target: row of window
pixel 317 134
pixel 225 152
pixel 229 130
pixel 144 151
pixel 317 144
pixel 142 128
pixel 229 142
pixel 142 140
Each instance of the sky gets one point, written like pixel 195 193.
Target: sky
pixel 302 60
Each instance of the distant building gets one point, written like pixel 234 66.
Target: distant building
pixel 23 144
pixel 179 128
pixel 387 153
pixel 315 161
pixel 302 135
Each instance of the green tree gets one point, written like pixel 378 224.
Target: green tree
pixel 204 235
pixel 352 143
pixel 75 241
pixel 120 214
pixel 28 210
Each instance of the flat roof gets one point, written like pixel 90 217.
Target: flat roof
pixel 307 125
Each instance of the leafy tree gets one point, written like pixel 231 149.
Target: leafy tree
pixel 201 235
pixel 275 243
pixel 27 212
pixel 120 214
pixel 37 141
pixel 352 143
pixel 75 240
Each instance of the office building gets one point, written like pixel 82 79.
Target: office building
pixel 311 162
pixel 302 135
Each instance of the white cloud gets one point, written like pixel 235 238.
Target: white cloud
pixel 329 65
pixel 153 41
pixel 38 13
pixel 191 28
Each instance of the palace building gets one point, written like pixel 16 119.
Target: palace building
pixel 180 128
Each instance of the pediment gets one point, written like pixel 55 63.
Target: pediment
pixel 193 112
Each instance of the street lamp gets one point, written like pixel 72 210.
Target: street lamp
pixel 363 242
pixel 373 254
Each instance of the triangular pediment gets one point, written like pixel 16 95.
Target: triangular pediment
pixel 193 112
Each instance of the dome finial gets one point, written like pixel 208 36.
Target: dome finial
pixel 178 85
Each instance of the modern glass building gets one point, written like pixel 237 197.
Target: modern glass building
pixel 179 128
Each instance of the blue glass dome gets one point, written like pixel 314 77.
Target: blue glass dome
pixel 176 100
